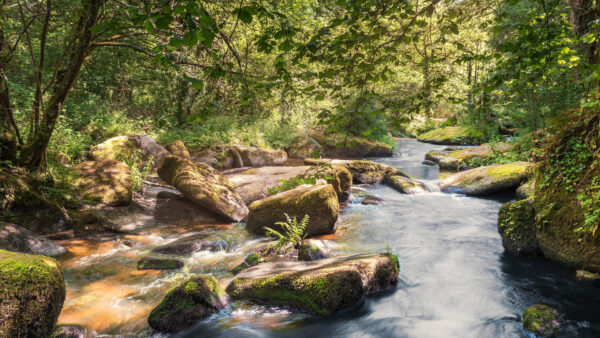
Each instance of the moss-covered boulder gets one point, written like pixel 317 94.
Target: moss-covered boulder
pixel 319 202
pixel 405 185
pixel 32 292
pixel 541 320
pixel 458 135
pixel 459 159
pixel 339 146
pixel 526 190
pixel 303 148
pixel 251 260
pixel 321 287
pixel 187 303
pixel 204 186
pixel 120 148
pixel 155 263
pixel 487 180
pixel 16 238
pixel 516 225
pixel 106 181
pixel 338 176
pixel 363 172
pixel 177 148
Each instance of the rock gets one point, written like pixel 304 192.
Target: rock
pixel 310 253
pixel 177 148
pixel 106 181
pixel 338 176
pixel 319 202
pixel 363 172
pixel 303 148
pixel 429 163
pixel 152 263
pixel 452 135
pixel 190 244
pixel 541 320
pixel 487 180
pixel 259 157
pixel 251 260
pixel 122 147
pixel 204 186
pixel 207 156
pixel 321 287
pixel 32 292
pixel 406 185
pixel 338 146
pixel 372 200
pixel 125 219
pixel 64 331
pixel 187 303
pixel 173 209
pixel 526 190
pixel 586 276
pixel 458 159
pixel 516 225
pixel 16 238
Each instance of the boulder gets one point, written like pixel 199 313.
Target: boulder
pixel 452 135
pixel 177 148
pixel 153 263
pixel 187 303
pixel 586 276
pixel 322 287
pixel 16 238
pixel 173 209
pixel 516 225
pixel 259 157
pixel 406 185
pixel 458 159
pixel 204 186
pixel 32 292
pixel 541 320
pixel 207 156
pixel 106 181
pixel 338 176
pixel 125 219
pixel 123 147
pixel 303 148
pixel 68 331
pixel 338 146
pixel 526 190
pixel 191 244
pixel 319 202
pixel 309 253
pixel 251 260
pixel 487 180
pixel 372 200
pixel 363 172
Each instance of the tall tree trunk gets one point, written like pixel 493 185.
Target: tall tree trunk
pixel 33 154
pixel 8 140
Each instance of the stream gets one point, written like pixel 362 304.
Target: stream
pixel 455 279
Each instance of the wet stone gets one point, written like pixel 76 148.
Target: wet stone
pixel 191 244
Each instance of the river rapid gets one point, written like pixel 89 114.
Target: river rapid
pixel 455 279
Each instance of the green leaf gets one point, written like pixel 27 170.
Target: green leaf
pixel 197 84
pixel 149 26
pixel 206 37
pixel 286 45
pixel 244 14
pixel 163 21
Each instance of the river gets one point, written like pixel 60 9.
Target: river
pixel 455 279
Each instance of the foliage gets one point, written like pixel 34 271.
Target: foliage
pixel 292 234
pixel 140 170
pixel 320 173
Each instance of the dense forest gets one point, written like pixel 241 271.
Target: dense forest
pixel 244 125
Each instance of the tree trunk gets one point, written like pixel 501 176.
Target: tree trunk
pixel 33 154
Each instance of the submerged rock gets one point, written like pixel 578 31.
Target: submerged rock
pixel 123 147
pixel 16 238
pixel 516 225
pixel 32 292
pixel 204 186
pixel 487 180
pixel 187 303
pixel 452 135
pixel 106 181
pixel 322 287
pixel 338 146
pixel 190 244
pixel 319 202
pixel 177 148
pixel 406 185
pixel 541 320
pixel 152 263
pixel 526 190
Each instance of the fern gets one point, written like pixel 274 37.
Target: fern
pixel 291 235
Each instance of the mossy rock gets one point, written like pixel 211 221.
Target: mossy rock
pixel 204 186
pixel 177 148
pixel 456 135
pixel 251 260
pixel 123 147
pixel 516 225
pixel 526 190
pixel 319 202
pixel 152 263
pixel 260 157
pixel 32 292
pixel 321 287
pixel 253 184
pixel 541 320
pixel 586 276
pixel 309 253
pixel 187 303
pixel 16 238
pixel 338 176
pixel 458 159
pixel 363 172
pixel 107 181
pixel 405 185
pixel 338 146
pixel 487 180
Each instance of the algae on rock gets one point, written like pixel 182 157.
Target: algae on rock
pixel 516 225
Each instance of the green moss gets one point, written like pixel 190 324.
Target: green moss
pixel 452 135
pixel 509 169
pixel 516 225
pixel 253 259
pixel 541 320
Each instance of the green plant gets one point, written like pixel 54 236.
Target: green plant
pixel 139 169
pixel 299 180
pixel 292 234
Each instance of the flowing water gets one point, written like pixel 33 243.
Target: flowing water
pixel 455 280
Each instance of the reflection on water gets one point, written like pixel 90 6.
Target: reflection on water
pixel 455 279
